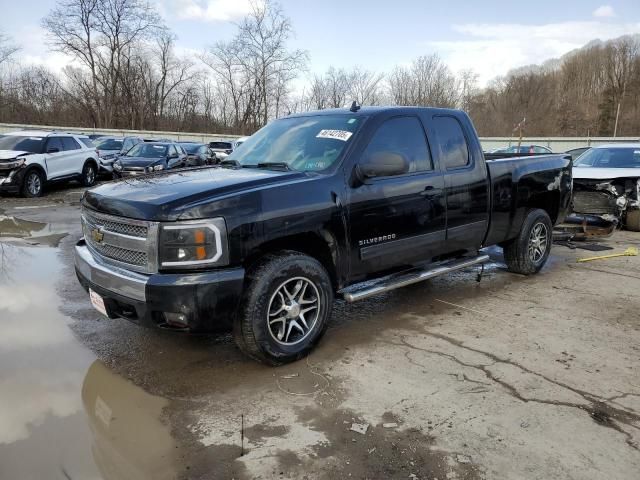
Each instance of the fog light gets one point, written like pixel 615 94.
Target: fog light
pixel 176 319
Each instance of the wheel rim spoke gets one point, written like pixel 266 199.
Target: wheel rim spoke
pixel 290 316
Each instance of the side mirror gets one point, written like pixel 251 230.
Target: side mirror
pixel 383 164
pixel 53 150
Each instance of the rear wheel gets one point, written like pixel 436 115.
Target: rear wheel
pixel 286 308
pixel 32 184
pixel 89 174
pixel 528 253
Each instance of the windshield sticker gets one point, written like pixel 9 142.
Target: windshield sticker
pixel 343 135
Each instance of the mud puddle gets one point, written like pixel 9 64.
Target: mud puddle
pixel 63 414
pixel 14 229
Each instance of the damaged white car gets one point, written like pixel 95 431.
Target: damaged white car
pixel 606 189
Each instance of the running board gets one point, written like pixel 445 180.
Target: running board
pixel 363 290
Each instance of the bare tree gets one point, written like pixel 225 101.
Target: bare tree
pixel 7 48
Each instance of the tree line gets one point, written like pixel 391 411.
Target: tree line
pixel 127 73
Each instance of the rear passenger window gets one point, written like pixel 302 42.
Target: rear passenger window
pixel 453 144
pixel 404 136
pixel 70 143
pixel 87 142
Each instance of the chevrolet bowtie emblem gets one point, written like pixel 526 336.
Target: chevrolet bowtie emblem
pixel 97 235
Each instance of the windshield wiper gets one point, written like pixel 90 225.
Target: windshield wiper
pixel 281 165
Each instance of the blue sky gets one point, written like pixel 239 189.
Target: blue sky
pixel 489 37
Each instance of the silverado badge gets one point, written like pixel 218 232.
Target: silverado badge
pixel 97 235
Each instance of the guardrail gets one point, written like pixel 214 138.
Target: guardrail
pixel 556 144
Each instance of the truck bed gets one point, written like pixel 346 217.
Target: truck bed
pixel 521 183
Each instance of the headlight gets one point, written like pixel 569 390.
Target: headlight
pixel 13 164
pixel 201 243
pixel 117 166
pixel 157 168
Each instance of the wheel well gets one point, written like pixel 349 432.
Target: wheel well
pixel 90 160
pixel 549 202
pixel 37 167
pixel 311 244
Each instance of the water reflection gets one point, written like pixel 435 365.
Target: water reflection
pixel 42 429
pixel 130 440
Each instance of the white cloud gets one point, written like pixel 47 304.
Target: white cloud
pixel 494 49
pixel 210 10
pixel 604 11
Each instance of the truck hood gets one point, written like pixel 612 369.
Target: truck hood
pixel 590 173
pixel 11 154
pixel 167 196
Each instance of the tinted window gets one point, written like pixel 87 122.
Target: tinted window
pixel 541 150
pixel 69 143
pixel 89 143
pixel 109 144
pixel 453 145
pixel 615 157
pixel 220 145
pixel 55 142
pixel 22 144
pixel 191 147
pixel 148 150
pixel 404 136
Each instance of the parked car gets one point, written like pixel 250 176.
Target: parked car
pixel 149 157
pixel 108 150
pixel 30 159
pixel 221 149
pixel 530 149
pixel 198 154
pixel 576 152
pixel 606 187
pixel 349 202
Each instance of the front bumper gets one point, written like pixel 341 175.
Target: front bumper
pixel 11 181
pixel 207 300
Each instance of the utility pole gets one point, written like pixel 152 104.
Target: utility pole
pixel 615 128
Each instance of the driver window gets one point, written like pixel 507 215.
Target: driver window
pixel 403 136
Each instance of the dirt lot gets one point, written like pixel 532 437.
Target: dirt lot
pixel 512 377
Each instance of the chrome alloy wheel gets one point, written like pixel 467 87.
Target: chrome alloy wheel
pixel 34 184
pixel 293 311
pixel 538 242
pixel 90 175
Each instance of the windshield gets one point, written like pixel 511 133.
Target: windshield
pixel 109 144
pixel 147 150
pixel 615 157
pixel 306 144
pixel 191 147
pixel 23 144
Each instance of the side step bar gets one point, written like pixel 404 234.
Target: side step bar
pixel 363 290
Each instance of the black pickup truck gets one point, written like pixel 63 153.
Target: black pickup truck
pixel 348 202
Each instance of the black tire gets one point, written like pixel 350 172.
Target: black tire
pixel 89 174
pixel 32 184
pixel 527 254
pixel 263 329
pixel 632 222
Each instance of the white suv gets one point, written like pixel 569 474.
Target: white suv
pixel 29 159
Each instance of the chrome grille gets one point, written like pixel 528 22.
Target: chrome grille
pixel 125 242
pixel 118 226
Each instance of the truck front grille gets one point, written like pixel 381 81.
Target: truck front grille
pixel 125 242
pixel 596 203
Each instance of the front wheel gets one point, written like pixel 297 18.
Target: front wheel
pixel 527 253
pixel 32 184
pixel 286 308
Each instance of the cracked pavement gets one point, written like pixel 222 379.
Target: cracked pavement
pixel 510 378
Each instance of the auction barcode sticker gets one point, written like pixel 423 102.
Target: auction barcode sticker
pixel 343 135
